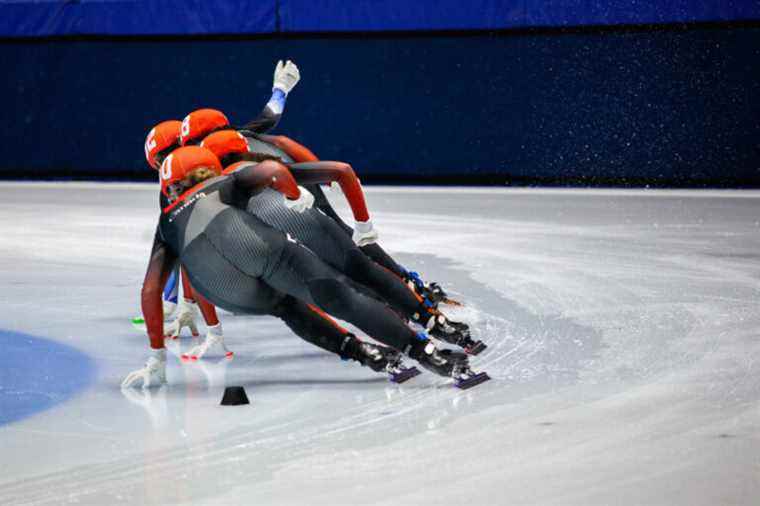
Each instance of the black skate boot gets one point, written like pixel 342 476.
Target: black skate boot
pixel 457 333
pixel 432 293
pixel 453 364
pixel 380 359
pixel 436 294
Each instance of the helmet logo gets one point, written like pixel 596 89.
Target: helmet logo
pixel 166 168
pixel 150 143
pixel 185 127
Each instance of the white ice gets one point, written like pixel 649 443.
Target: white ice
pixel 623 329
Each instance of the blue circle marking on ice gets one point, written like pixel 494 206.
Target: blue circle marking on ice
pixel 38 373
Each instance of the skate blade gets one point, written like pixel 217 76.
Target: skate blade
pixel 405 375
pixel 472 381
pixel 476 348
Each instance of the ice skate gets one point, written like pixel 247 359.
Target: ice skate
pixel 384 359
pixel 432 293
pixel 453 364
pixel 457 333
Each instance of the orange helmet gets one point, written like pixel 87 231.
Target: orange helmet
pixel 161 140
pixel 198 124
pixel 183 161
pixel 225 143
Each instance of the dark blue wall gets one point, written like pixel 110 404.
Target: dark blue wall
pixel 674 106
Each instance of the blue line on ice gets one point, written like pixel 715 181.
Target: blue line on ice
pixel 38 374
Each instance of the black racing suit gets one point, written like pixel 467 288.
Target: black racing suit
pixel 331 244
pixel 241 264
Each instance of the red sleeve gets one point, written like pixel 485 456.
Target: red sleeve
pixel 343 173
pixel 268 173
pixel 159 268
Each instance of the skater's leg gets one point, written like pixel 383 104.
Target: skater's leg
pixel 360 268
pixel 326 239
pixel 303 275
pixel 347 258
pixel 313 325
pixel 379 255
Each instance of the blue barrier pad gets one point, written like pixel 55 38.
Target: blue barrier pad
pixel 402 15
pixel 135 17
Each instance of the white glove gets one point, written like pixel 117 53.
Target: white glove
pixel 364 233
pixel 302 203
pixel 186 315
pixel 286 76
pixel 169 308
pixel 214 337
pixel 153 374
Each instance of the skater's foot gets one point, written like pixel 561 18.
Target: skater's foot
pixel 457 333
pixel 453 364
pixel 441 362
pixel 374 356
pixel 379 359
pixel 432 293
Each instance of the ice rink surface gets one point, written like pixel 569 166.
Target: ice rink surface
pixel 624 333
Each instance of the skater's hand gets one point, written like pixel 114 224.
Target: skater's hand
pixel 153 374
pixel 186 315
pixel 286 76
pixel 214 337
pixel 302 203
pixel 364 233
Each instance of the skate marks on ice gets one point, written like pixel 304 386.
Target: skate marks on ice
pixel 527 354
pixel 665 411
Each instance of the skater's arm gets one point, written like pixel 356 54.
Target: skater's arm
pixel 293 149
pixel 269 117
pixel 343 174
pixel 269 173
pixel 286 76
pixel 161 263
